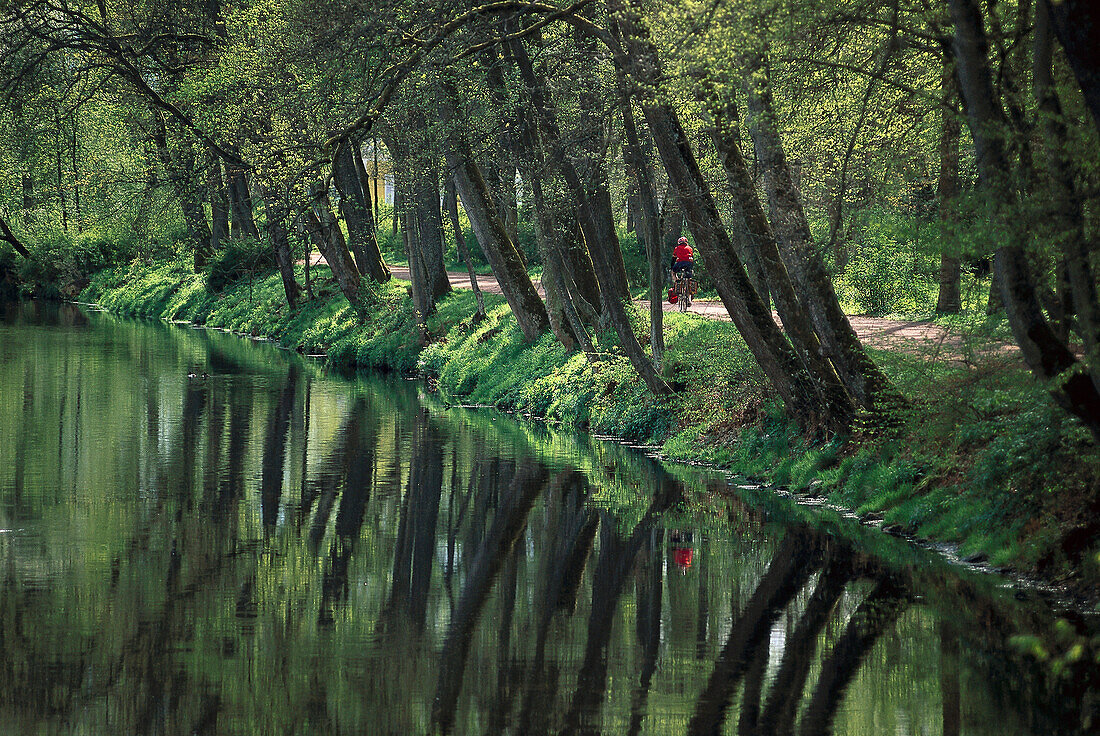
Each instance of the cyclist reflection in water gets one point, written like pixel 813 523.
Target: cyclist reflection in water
pixel 682 551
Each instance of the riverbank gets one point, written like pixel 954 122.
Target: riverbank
pixel 982 459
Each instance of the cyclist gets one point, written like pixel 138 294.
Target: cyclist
pixel 682 262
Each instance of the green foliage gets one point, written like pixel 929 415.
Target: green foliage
pixel 891 267
pixel 390 243
pixel 60 262
pixel 526 241
pixel 634 258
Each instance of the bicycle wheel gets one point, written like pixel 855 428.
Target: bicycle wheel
pixel 683 295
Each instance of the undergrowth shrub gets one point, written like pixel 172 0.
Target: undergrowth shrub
pixel 891 266
pixel 238 258
pixel 60 262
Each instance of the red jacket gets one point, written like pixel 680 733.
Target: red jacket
pixel 682 253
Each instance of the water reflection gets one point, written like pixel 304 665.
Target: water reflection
pixel 205 536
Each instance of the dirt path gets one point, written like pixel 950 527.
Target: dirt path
pixel 923 337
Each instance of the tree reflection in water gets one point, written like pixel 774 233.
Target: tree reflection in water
pixel 263 549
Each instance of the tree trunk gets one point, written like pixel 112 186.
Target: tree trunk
pixel 863 379
pixel 355 207
pixel 322 227
pixel 450 204
pixel 672 222
pixel 554 232
pixel 423 300
pixel 575 256
pixel 595 209
pixel 366 186
pixel 182 176
pixel 397 204
pixel 752 319
pixel 11 239
pixel 1075 272
pixel 726 137
pixel 1076 22
pixel 758 238
pixel 429 217
pixel 219 204
pixel 27 184
pixel 277 210
pixel 590 159
pixel 60 174
pixel 1049 358
pixel 241 202
pixel 76 174
pixel 647 226
pixel 503 257
pixel 949 300
pixel 508 205
pixel 554 287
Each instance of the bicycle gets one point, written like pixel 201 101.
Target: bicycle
pixel 685 288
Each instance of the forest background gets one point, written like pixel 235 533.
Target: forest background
pixel 185 160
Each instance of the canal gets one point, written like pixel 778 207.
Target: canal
pixel 203 534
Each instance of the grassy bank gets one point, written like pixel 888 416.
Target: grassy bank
pixel 982 458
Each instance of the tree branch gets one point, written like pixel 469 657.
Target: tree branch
pixel 8 236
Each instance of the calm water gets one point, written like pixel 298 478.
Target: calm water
pixel 261 548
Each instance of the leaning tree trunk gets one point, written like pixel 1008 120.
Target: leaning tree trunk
pixel 450 204
pixel 725 134
pixel 1076 22
pixel 503 257
pixel 647 226
pixel 11 239
pixel 1068 216
pixel 240 200
pixel 1049 357
pixel 276 208
pixel 863 379
pixel 555 233
pixel 758 237
pixel 355 207
pixel 747 310
pixel 638 58
pixel 591 160
pixel 519 138
pixel 594 206
pixel 322 227
pixel 575 256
